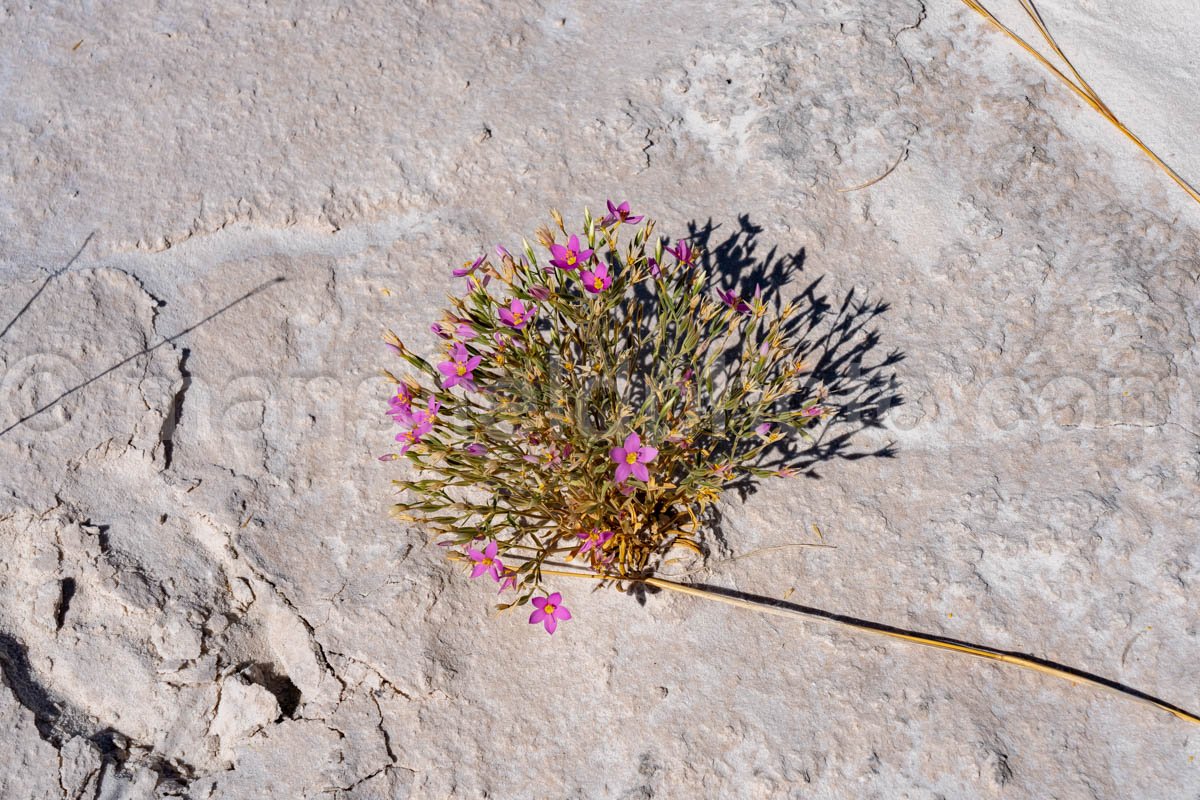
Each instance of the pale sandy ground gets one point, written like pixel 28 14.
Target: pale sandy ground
pixel 200 593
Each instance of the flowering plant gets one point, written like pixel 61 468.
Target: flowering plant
pixel 588 412
pixel 591 406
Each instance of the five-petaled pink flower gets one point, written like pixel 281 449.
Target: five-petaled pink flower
pixel 597 280
pixel 468 267
pixel 548 611
pixel 570 256
pixel 517 315
pixel 460 368
pixel 619 214
pixel 632 458
pixel 486 562
pixel 733 301
pixel 594 540
pixel 683 252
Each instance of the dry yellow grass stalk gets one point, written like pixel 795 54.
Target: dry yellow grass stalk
pixel 778 608
pixel 1076 82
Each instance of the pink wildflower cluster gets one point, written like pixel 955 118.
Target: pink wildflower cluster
pixel 416 421
pixel 537 458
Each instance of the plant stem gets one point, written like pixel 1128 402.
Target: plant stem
pixel 1082 88
pixel 767 606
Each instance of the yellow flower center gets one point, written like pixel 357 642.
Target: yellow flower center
pixel 570 259
pixel 597 282
pixel 518 318
pixel 631 458
pixel 549 608
pixel 460 369
pixel 487 562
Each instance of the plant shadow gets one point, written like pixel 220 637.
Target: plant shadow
pixel 837 338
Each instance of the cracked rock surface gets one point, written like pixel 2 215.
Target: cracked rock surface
pixel 209 212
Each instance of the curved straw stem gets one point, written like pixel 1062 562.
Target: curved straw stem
pixel 1079 86
pixel 768 606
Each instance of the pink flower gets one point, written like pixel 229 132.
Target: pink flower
pixel 813 411
pixel 540 292
pixel 596 539
pixel 570 256
pixel 393 343
pixel 549 457
pixel 517 315
pixel 475 449
pixel 469 267
pixel 420 423
pixel 460 368
pixel 508 578
pixel 764 429
pixel 461 331
pixel 548 611
pixel 655 270
pixel 400 406
pixel 733 301
pixel 619 214
pixel 473 284
pixel 633 458
pixel 410 437
pixel 683 252
pixel 596 281
pixel 486 562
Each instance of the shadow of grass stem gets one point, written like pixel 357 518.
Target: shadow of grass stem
pixel 764 606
